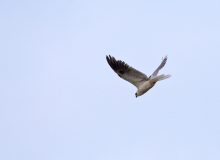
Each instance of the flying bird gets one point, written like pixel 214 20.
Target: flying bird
pixel 135 77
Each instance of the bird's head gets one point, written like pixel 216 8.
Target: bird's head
pixel 136 94
pixel 139 93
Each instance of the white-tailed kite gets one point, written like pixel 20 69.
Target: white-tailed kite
pixel 137 78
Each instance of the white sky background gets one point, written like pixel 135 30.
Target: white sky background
pixel 61 100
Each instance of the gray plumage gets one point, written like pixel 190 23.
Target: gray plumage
pixel 135 77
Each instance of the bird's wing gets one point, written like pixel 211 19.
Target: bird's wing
pixel 160 66
pixel 126 72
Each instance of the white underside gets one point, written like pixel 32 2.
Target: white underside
pixel 145 86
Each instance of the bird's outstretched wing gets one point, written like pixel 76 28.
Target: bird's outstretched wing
pixel 126 72
pixel 160 66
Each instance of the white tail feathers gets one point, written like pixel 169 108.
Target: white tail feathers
pixel 159 78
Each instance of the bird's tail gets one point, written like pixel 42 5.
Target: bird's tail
pixel 159 77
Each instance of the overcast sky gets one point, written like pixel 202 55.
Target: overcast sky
pixel 61 101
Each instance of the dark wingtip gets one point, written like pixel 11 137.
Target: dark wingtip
pixel 117 65
pixel 165 58
pixel 108 57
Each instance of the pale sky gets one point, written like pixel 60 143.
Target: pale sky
pixel 61 101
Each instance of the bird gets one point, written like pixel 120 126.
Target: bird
pixel 142 82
